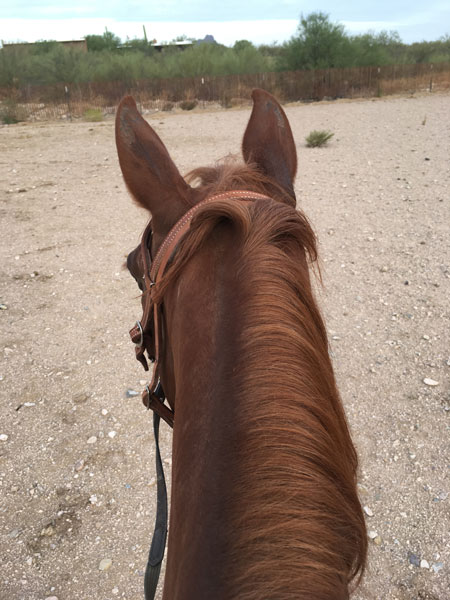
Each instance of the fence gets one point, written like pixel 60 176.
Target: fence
pixel 72 100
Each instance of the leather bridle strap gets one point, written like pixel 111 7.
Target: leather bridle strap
pixel 153 276
pixel 156 554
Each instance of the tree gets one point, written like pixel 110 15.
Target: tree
pixel 319 44
pixel 107 41
pixel 242 45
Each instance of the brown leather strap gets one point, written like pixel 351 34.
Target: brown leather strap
pixel 153 273
pixel 152 401
pixel 181 227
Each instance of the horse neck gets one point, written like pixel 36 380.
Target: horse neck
pixel 202 332
pixel 263 466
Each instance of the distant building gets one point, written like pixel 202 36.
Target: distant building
pixel 179 45
pixel 208 39
pixel 80 45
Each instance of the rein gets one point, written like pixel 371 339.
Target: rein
pixel 141 334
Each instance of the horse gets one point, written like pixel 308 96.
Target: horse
pixel 264 502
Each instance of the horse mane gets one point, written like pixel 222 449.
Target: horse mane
pixel 231 175
pixel 294 502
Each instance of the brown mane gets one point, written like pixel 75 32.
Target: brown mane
pixel 231 175
pixel 294 490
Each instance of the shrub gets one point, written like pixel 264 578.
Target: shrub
pixel 167 106
pixel 316 139
pixel 11 112
pixel 93 115
pixel 188 104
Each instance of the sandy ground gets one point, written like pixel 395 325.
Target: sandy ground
pixel 76 455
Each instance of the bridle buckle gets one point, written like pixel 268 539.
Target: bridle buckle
pixel 140 341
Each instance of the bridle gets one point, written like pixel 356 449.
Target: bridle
pixel 147 332
pixel 146 335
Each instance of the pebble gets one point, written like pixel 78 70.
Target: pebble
pixel 79 464
pixel 368 511
pixel 436 567
pixel 377 541
pixel 424 564
pixel 372 534
pixel 3 307
pixel 112 434
pixel 52 598
pixel 105 564
pixel 413 559
pixel 142 381
pixel 131 393
pixel 92 439
pixel 115 591
pixel 3 437
pixel 14 533
pixel 104 412
pixel 48 531
pixel 429 381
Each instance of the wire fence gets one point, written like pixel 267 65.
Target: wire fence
pixel 67 101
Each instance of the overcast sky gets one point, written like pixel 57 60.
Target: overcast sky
pixel 261 21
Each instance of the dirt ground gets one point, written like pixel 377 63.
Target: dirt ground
pixel 76 455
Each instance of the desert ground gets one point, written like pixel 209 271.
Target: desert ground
pixel 77 476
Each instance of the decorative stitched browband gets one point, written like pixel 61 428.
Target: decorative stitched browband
pixel 141 334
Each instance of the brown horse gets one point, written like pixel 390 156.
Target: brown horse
pixel 264 502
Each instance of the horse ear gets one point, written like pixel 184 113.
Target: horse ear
pixel 268 141
pixel 150 174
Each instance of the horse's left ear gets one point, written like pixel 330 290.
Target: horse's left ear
pixel 268 141
pixel 150 174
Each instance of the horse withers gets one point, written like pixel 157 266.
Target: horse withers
pixel 264 502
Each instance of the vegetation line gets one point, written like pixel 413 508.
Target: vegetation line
pixel 317 44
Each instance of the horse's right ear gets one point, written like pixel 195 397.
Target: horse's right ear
pixel 150 174
pixel 268 141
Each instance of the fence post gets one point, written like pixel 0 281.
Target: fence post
pixel 431 77
pixel 67 91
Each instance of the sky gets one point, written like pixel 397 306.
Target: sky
pixel 260 21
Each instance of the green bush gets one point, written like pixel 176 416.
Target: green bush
pixel 317 139
pixel 93 115
pixel 11 112
pixel 188 104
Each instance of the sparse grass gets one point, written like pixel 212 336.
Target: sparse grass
pixel 317 139
pixel 168 106
pixel 93 115
pixel 188 104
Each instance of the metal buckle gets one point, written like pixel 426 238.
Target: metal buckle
pixel 140 343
